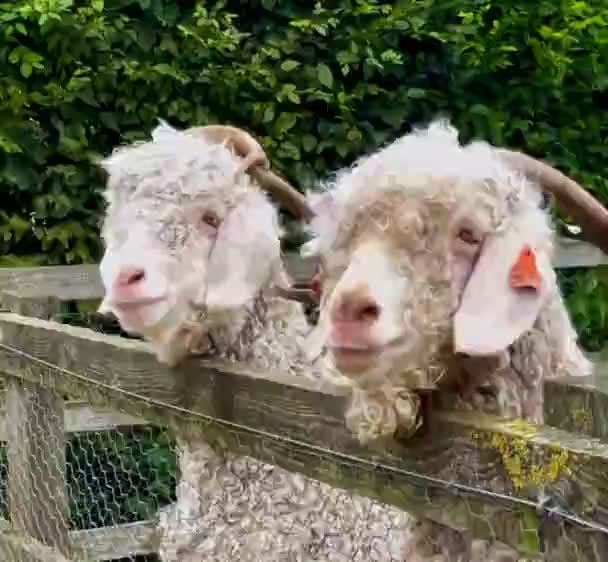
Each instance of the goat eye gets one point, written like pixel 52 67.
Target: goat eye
pixel 211 219
pixel 468 236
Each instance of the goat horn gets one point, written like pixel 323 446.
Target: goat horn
pixel 304 296
pixel 590 214
pixel 256 163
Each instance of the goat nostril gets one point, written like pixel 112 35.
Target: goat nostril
pixel 356 307
pixel 136 277
pixel 131 276
pixel 369 313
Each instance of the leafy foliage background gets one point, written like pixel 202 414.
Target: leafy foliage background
pixel 319 87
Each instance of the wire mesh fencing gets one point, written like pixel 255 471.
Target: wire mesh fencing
pixel 120 477
pixel 86 493
pixel 95 496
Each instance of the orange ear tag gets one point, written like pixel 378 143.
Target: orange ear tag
pixel 524 273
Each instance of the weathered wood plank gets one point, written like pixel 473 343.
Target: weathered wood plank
pixel 16 547
pixel 83 282
pixel 296 424
pixel 104 543
pixel 579 404
pixel 122 541
pixel 80 418
pixel 56 276
pixel 28 302
pixel 80 277
pixel 576 253
pixel 36 464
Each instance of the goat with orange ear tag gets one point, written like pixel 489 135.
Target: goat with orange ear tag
pixel 437 274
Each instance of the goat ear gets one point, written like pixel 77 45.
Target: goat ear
pixel 246 253
pixel 504 294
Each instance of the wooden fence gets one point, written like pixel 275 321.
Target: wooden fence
pixel 118 383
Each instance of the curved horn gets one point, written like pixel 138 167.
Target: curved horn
pixel 293 200
pixel 304 296
pixel 590 214
pixel 256 163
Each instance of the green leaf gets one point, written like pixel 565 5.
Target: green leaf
pixel 289 65
pixel 342 149
pixel 268 114
pixel 14 55
pixel 25 69
pixel 284 123
pixel 395 116
pixel 324 75
pixel 289 91
pixel 9 145
pixel 309 143
pixel 289 150
pixel 110 120
pixel 14 226
pixel 416 93
pixel 480 109
pixel 293 97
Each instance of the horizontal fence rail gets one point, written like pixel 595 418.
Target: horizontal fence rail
pixel 517 477
pixel 121 541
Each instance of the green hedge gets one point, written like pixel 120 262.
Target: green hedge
pixel 318 87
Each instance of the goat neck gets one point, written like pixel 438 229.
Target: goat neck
pixel 233 334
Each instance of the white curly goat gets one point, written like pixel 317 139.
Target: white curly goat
pixel 436 267
pixel 193 264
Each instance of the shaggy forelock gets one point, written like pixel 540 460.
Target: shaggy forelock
pixel 423 160
pixel 157 179
pixel 173 165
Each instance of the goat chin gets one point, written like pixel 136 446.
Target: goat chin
pixel 171 316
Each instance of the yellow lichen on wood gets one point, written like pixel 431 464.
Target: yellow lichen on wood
pixel 524 428
pixel 582 419
pixel 518 459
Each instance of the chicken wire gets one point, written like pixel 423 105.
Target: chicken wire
pixel 124 476
pixel 128 475
pixel 112 477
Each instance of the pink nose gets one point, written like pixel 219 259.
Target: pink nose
pixel 356 307
pixel 129 277
pixel 352 317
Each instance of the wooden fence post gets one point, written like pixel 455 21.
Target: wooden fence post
pixel 38 501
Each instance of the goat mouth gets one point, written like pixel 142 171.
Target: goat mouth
pixel 355 360
pixel 131 304
pixel 139 314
